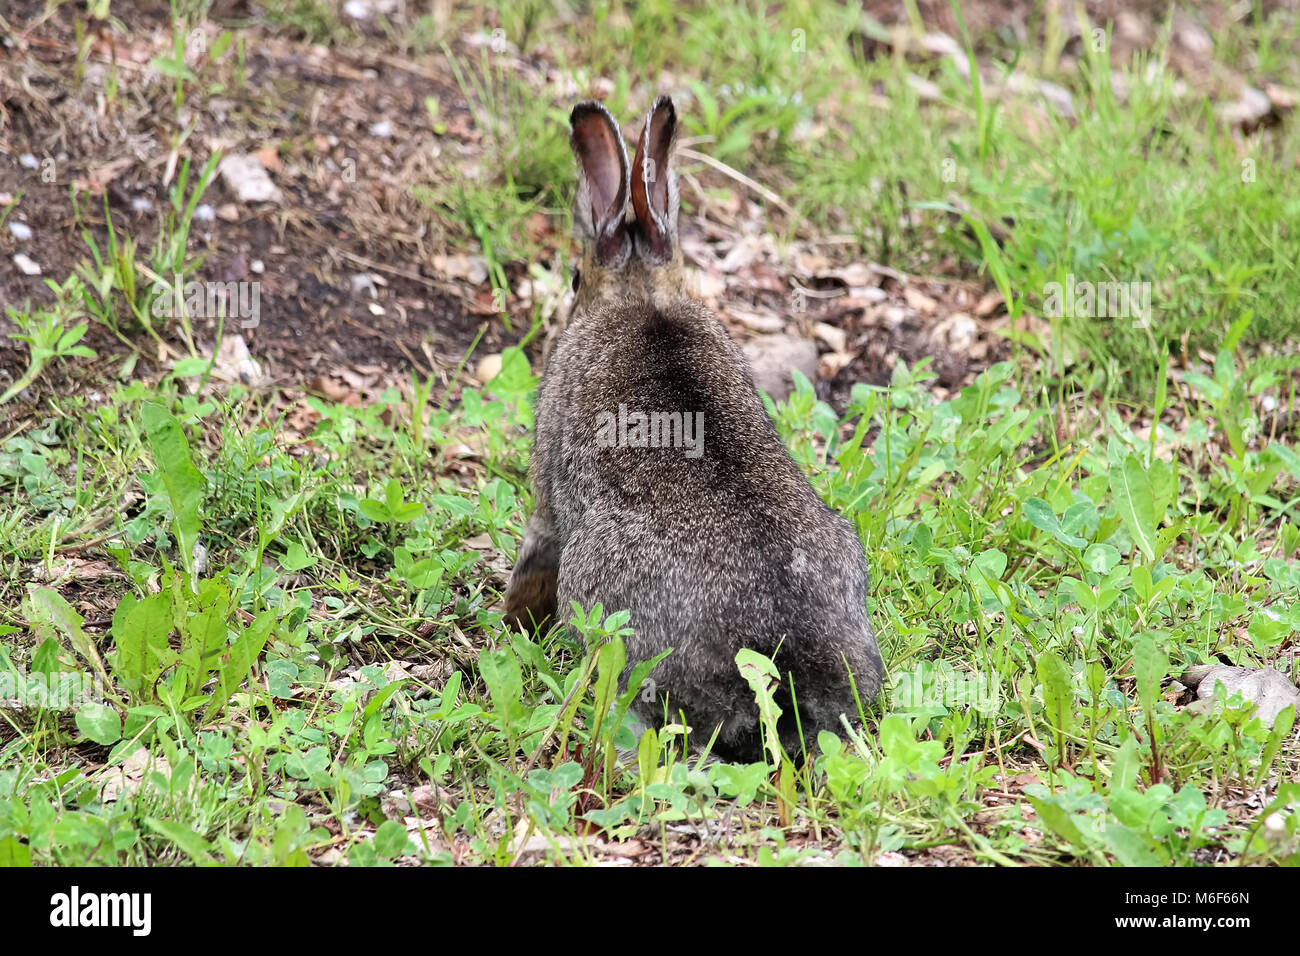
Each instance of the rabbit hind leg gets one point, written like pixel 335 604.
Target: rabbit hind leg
pixel 530 595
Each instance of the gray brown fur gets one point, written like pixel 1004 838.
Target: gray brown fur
pixel 710 554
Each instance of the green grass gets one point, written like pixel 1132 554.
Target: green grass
pixel 294 643
pixel 1149 189
pixel 1022 591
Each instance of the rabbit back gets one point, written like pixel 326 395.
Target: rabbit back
pixel 712 548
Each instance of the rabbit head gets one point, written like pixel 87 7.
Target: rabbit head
pixel 626 216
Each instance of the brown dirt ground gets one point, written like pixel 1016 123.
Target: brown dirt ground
pixel 304 102
pixel 306 111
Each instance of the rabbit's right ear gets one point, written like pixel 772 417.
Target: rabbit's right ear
pixel 654 185
pixel 603 182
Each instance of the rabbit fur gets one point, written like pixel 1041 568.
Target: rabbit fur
pixel 708 533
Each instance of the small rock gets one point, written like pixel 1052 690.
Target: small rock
pixel 21 231
pixel 832 335
pixel 142 204
pixel 257 266
pixel 357 10
pixel 381 130
pixel 28 161
pixel 1269 689
pixel 771 359
pixel 248 179
pixel 364 282
pixel 1132 27
pixel 228 212
pixel 758 322
pixel 233 363
pixel 467 268
pixel 894 316
pixel 29 267
pixel 990 301
pixel 832 363
pixel 926 90
pixel 125 778
pixel 1283 99
pixel 1251 107
pixel 742 254
pixel 488 368
pixel 199 562
pixel 919 300
pixel 204 213
pixel 1193 38
pixel 957 332
pixel 1057 96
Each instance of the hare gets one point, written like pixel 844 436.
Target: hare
pixel 662 487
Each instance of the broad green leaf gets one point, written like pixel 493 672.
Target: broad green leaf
pixel 141 630
pixel 1041 515
pixel 1124 766
pixel 1280 733
pixel 296 557
pixel 49 609
pixel 176 69
pixel 376 511
pixel 1057 819
pixel 197 848
pixel 46 659
pixel 391 840
pixel 1133 499
pixel 1287 457
pixel 505 684
pixel 100 723
pixel 1058 692
pixel 1077 516
pixel 1150 665
pixel 382 697
pixel 393 496
pixel 516 378
pixel 238 663
pixel 203 643
pixel 408 512
pixel 761 675
pixel 1128 847
pixel 189 367
pixel 610 660
pixel 459 507
pixel 219 45
pixel 647 754
pixel 185 485
pixel 1100 558
pixel 13 853
pixel 1163 490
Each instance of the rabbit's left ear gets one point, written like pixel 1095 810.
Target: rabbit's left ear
pixel 601 203
pixel 654 185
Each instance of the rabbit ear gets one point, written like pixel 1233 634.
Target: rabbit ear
pixel 654 185
pixel 603 181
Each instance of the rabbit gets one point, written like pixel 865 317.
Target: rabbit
pixel 662 487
